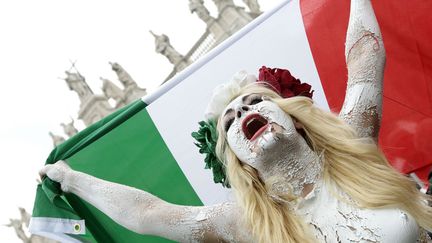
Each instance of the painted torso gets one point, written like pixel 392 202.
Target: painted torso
pixel 335 220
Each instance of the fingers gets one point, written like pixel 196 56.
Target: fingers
pixel 55 172
pixel 43 172
pixel 63 164
pixel 59 164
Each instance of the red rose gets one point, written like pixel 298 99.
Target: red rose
pixel 281 81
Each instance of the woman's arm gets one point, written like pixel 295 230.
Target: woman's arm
pixel 145 213
pixel 365 58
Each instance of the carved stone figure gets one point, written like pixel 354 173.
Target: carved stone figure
pixel 164 47
pixel 122 75
pixel 57 140
pixel 221 4
pixel 253 6
pixel 77 83
pixel 16 224
pixel 69 128
pixel 197 6
pixel 112 91
pixel 25 216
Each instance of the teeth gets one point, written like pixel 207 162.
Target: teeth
pixel 250 121
pixel 267 136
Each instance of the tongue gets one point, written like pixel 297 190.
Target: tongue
pixel 259 132
pixel 253 127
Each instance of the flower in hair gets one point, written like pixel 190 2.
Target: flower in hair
pixel 281 81
pixel 206 138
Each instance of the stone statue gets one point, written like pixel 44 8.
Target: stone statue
pixel 122 75
pixel 77 83
pixel 57 140
pixel 221 4
pixel 25 216
pixel 164 47
pixel 253 6
pixel 17 225
pixel 112 91
pixel 69 128
pixel 198 7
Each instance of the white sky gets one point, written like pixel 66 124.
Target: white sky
pixel 37 41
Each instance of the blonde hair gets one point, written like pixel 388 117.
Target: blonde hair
pixel 355 165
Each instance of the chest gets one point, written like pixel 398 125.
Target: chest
pixel 334 220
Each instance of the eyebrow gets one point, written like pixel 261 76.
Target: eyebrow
pixel 228 111
pixel 244 98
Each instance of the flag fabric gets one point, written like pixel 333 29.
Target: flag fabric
pixel 148 144
pixel 406 127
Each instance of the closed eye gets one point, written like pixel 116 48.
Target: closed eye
pixel 252 99
pixel 255 100
pixel 228 124
pixel 228 119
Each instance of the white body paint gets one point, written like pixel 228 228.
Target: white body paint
pixel 144 213
pixel 333 220
pixel 330 219
pixel 365 57
pixel 279 153
pixel 251 152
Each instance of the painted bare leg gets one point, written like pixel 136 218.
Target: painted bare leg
pixel 365 57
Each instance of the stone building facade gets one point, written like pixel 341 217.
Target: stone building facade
pixel 93 107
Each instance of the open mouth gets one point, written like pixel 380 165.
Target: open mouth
pixel 254 125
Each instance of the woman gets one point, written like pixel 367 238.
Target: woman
pixel 300 174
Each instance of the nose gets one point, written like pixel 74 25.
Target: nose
pixel 240 109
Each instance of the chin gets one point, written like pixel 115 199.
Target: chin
pixel 268 141
pixel 275 141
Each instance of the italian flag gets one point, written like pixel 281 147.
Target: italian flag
pixel 148 144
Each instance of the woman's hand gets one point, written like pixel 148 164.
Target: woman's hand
pixel 59 172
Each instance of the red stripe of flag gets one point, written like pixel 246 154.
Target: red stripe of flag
pixel 406 26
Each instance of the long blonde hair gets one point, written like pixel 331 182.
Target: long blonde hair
pixel 355 165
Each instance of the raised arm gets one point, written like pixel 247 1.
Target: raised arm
pixel 365 58
pixel 144 213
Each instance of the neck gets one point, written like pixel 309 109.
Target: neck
pixel 295 170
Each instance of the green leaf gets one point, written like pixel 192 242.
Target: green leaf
pixel 206 138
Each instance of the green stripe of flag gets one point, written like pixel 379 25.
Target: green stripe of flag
pixel 125 148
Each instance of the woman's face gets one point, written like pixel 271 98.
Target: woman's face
pixel 258 130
